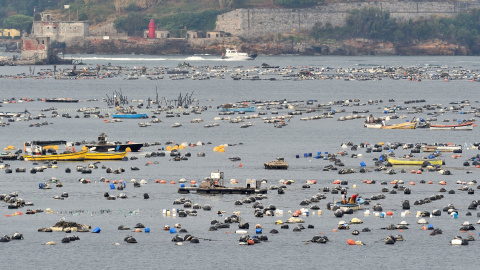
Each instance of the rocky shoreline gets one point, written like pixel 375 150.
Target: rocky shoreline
pixel 351 47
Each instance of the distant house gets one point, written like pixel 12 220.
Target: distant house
pixel 158 34
pixel 11 33
pixel 215 34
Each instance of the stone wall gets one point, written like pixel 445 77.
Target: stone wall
pixel 259 22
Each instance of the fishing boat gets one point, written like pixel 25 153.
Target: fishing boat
pixel 441 148
pixel 413 161
pixel 128 113
pixel 406 125
pixel 279 164
pixel 103 145
pixel 8 156
pixel 215 185
pixel 358 205
pixel 105 156
pixel 234 54
pixel 242 107
pixel 462 126
pixel 47 150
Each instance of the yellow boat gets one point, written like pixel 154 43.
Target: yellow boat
pixel 74 156
pixel 406 125
pixel 413 161
pixel 105 156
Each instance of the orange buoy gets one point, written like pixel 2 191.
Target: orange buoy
pixel 149 162
pixel 459 156
pixel 419 172
pixel 107 181
pixel 315 181
pixel 443 183
pixel 88 180
pixel 172 182
pixel 365 180
pixel 250 242
pixel 393 182
pixel 115 181
pixel 157 181
pixel 389 213
pixel 193 182
pixel 295 214
pixel 163 182
pixel 430 182
pixel 369 182
pixel 412 183
pixel 334 230
pixel 412 171
pixel 240 165
pixel 477 166
pixel 336 182
pixel 350 242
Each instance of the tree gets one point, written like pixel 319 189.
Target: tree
pixel 19 22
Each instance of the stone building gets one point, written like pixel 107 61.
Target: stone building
pixel 35 48
pixel 59 30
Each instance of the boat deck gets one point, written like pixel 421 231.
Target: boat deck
pixel 221 190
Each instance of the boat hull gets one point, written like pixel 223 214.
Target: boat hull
pixel 76 156
pixel 466 126
pixel 343 207
pixel 130 116
pixel 411 161
pixel 406 125
pixel 105 156
pixel 434 148
pixel 373 125
pixel 243 109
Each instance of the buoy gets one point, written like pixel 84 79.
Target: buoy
pixel 412 183
pixel 389 213
pixel 354 186
pixel 240 165
pixel 350 242
pixel 172 182
pixel 412 171
pixel 250 242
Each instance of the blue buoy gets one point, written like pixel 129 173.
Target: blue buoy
pixel 305 155
pixel 431 156
pixel 258 231
pixel 172 230
pixel 96 230
pixel 310 154
pixel 317 157
pixel 326 153
pixel 382 215
pixel 380 158
pixel 325 158
pixel 40 186
pixel 385 111
pixel 297 156
pixel 147 230
pixel 124 185
pixel 182 185
pixel 430 226
pixel 461 112
pixel 362 164
pixel 319 153
pixel 455 215
pixel 112 186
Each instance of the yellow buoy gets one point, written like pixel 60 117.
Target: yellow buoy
pixel 128 149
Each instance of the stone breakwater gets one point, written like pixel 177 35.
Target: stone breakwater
pixel 260 22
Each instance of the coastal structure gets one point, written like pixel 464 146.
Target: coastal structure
pixel 61 31
pixel 249 23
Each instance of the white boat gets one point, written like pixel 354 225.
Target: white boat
pixel 372 125
pixel 234 54
pixel 441 148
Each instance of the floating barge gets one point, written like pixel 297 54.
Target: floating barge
pixel 279 164
pixel 214 185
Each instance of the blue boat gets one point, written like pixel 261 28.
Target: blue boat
pixel 128 113
pixel 236 108
pixel 131 116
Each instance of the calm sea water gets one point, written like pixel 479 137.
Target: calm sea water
pixel 255 145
